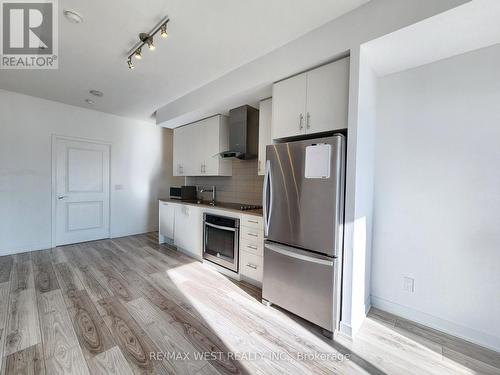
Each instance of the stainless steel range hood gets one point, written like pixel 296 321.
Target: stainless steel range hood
pixel 243 133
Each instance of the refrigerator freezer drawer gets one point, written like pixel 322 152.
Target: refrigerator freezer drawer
pixel 300 282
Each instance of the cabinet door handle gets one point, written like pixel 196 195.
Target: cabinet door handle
pixel 308 120
pixel 253 234
pixel 253 221
pixel 301 118
pixel 201 168
pixel 252 247
pixel 252 266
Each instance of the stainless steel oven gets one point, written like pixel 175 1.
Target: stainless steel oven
pixel 221 240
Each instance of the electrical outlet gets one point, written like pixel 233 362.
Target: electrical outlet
pixel 408 284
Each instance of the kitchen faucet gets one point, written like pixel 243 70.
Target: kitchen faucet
pixel 209 190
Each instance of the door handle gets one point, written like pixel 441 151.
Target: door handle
pixel 308 120
pixel 220 227
pixel 252 266
pixel 267 187
pixel 301 118
pixel 60 197
pixel 292 254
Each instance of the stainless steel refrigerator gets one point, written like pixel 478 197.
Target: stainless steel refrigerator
pixel 304 216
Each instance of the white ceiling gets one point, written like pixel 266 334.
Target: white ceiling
pixel 206 40
pixel 465 28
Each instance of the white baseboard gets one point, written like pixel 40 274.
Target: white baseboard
pixel 48 245
pixel 345 330
pixel 126 234
pixel 443 325
pixel 23 249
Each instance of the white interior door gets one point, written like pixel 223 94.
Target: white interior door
pixel 81 191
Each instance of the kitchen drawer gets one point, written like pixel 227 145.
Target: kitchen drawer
pixel 251 246
pixel 252 221
pixel 251 234
pixel 251 266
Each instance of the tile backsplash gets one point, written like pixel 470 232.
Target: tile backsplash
pixel 244 186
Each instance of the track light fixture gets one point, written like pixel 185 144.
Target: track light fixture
pixel 147 39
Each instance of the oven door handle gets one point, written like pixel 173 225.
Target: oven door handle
pixel 220 227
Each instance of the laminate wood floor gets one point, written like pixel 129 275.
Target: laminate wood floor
pixel 131 306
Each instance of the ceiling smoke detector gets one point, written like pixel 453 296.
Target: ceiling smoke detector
pixel 72 16
pixel 96 93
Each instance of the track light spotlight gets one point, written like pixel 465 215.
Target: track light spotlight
pixel 138 54
pixel 151 46
pixel 147 39
pixel 163 31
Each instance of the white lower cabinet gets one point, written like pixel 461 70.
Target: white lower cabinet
pixel 188 231
pixel 167 222
pixel 251 248
pixel 183 224
pixel 251 267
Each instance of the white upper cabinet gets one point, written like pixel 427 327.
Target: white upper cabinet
pixel 312 102
pixel 289 107
pixel 327 97
pixel 197 145
pixel 166 227
pixel 180 156
pixel 215 139
pixel 265 120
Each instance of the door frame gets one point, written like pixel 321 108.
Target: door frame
pixel 55 138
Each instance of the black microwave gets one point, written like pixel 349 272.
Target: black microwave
pixel 185 193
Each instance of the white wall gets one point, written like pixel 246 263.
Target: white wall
pixel 330 41
pixel 437 195
pixel 360 227
pixel 140 161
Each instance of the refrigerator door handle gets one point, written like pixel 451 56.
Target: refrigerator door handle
pixel 312 259
pixel 267 187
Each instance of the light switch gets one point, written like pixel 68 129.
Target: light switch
pixel 408 284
